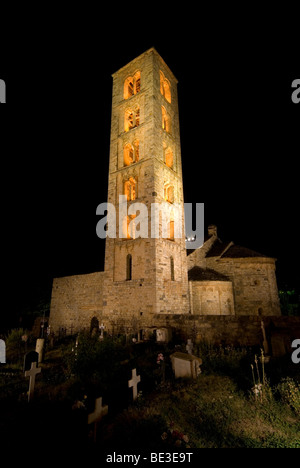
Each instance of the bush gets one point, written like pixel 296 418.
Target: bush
pixel 289 393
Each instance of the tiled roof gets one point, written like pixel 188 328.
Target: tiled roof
pixel 205 274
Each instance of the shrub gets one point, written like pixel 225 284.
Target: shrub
pixel 289 393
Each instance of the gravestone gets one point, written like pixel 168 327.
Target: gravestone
pixel 189 346
pixel 163 334
pixel 185 365
pixel 32 373
pixel 97 415
pixel 134 383
pixel 101 331
pixel 39 348
pixel 2 352
pixel 30 357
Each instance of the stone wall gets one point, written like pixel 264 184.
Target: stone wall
pixel 254 284
pixel 75 301
pixel 232 330
pixel 211 297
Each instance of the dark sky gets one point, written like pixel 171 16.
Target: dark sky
pixel 239 139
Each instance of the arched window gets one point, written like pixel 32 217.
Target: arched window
pixel 131 153
pixel 171 230
pixel 166 120
pixel 172 269
pixel 169 158
pixel 128 154
pixel 169 193
pixel 132 85
pixel 130 189
pixel 165 87
pixel 132 119
pixel 128 267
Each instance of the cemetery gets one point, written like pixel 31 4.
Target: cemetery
pixel 97 390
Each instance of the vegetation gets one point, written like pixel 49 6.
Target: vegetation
pixel 239 400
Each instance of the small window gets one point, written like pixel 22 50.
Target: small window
pixel 172 269
pixel 169 158
pixel 128 154
pixel 165 87
pixel 130 189
pixel 128 267
pixel 166 120
pixel 169 193
pixel 171 231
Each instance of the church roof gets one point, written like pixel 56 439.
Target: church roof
pixel 236 251
pixel 217 248
pixel 205 274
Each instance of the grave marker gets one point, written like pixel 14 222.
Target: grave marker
pixel 32 373
pixel 134 383
pixel 97 415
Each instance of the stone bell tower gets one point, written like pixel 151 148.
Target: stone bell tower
pixel 145 275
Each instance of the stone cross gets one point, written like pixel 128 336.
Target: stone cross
pixel 97 415
pixel 134 383
pixel 2 352
pixel 101 331
pixel 32 373
pixel 189 346
pixel 265 342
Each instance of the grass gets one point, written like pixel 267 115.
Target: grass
pixel 218 410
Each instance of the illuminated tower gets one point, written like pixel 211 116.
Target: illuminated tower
pixel 145 276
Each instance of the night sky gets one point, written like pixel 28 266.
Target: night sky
pixel 239 142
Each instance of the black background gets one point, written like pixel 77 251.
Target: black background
pixel 239 134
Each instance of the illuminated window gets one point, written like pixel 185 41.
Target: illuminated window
pixel 129 227
pixel 128 154
pixel 131 153
pixel 128 267
pixel 130 189
pixel 169 158
pixel 132 119
pixel 132 85
pixel 169 193
pixel 166 120
pixel 171 230
pixel 165 87
pixel 172 269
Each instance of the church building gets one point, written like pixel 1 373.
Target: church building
pixel 146 279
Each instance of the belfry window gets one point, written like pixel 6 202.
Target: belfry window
pixel 169 160
pixel 128 154
pixel 132 119
pixel 128 267
pixel 132 85
pixel 169 193
pixel 166 120
pixel 130 189
pixel 165 87
pixel 131 153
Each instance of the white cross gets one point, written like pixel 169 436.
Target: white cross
pixel 99 412
pixel 32 373
pixel 134 382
